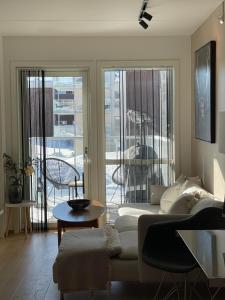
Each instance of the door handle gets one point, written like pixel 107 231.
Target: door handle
pixel 86 154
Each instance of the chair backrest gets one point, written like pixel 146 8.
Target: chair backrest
pixel 162 237
pixel 206 219
pixel 60 173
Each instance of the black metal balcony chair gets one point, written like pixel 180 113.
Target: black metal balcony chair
pixel 136 176
pixel 62 175
pixel 165 250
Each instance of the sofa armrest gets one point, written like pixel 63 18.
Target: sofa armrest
pixel 144 221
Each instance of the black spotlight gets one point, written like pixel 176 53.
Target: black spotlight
pixel 143 24
pixel 147 16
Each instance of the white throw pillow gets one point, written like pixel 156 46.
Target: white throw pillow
pixel 183 204
pixel 196 179
pixel 205 202
pixel 181 179
pixel 169 197
pixel 190 187
pixel 156 193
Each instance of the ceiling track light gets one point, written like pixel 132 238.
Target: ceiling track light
pixel 143 24
pixel 144 15
pixel 221 18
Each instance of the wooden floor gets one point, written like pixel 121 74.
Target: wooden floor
pixel 26 273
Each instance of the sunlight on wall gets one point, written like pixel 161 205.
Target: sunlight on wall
pixel 219 184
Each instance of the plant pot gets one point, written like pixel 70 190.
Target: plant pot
pixel 15 193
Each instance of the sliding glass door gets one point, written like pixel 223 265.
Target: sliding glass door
pixel 138 110
pixel 54 137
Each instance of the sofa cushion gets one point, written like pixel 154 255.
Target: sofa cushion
pixel 156 193
pixel 169 197
pixel 195 179
pixel 183 204
pixel 138 209
pixel 198 192
pixel 206 202
pixel 129 244
pixel 126 223
pixel 181 179
pixel 178 189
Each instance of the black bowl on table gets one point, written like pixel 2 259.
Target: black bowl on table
pixel 78 204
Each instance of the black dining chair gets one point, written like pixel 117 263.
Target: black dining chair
pixel 164 249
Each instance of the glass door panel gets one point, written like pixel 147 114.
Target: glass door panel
pixel 138 135
pixel 66 138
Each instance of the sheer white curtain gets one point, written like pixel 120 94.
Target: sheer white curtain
pixel 139 132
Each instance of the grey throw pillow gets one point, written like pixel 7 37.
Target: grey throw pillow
pixel 183 204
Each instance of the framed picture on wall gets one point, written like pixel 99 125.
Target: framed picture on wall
pixel 205 73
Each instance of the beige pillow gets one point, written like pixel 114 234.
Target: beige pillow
pixel 190 187
pixel 181 179
pixel 196 179
pixel 169 197
pixel 156 193
pixel 183 204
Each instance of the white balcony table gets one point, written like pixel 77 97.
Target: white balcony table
pixel 24 207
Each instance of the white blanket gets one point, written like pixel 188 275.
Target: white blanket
pixel 83 259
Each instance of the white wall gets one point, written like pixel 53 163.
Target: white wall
pixel 96 49
pixel 1 137
pixel 207 161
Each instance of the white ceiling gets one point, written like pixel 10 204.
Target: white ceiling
pixel 101 17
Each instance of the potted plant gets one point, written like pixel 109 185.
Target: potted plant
pixel 16 178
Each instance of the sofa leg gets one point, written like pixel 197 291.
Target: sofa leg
pixel 61 296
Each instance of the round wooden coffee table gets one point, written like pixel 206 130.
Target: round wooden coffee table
pixel 66 217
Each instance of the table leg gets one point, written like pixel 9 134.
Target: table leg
pixel 28 219
pixel 25 221
pixel 59 228
pixel 96 223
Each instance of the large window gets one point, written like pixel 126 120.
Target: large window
pixel 138 134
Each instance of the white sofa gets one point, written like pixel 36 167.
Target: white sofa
pixel 179 198
pixel 178 201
